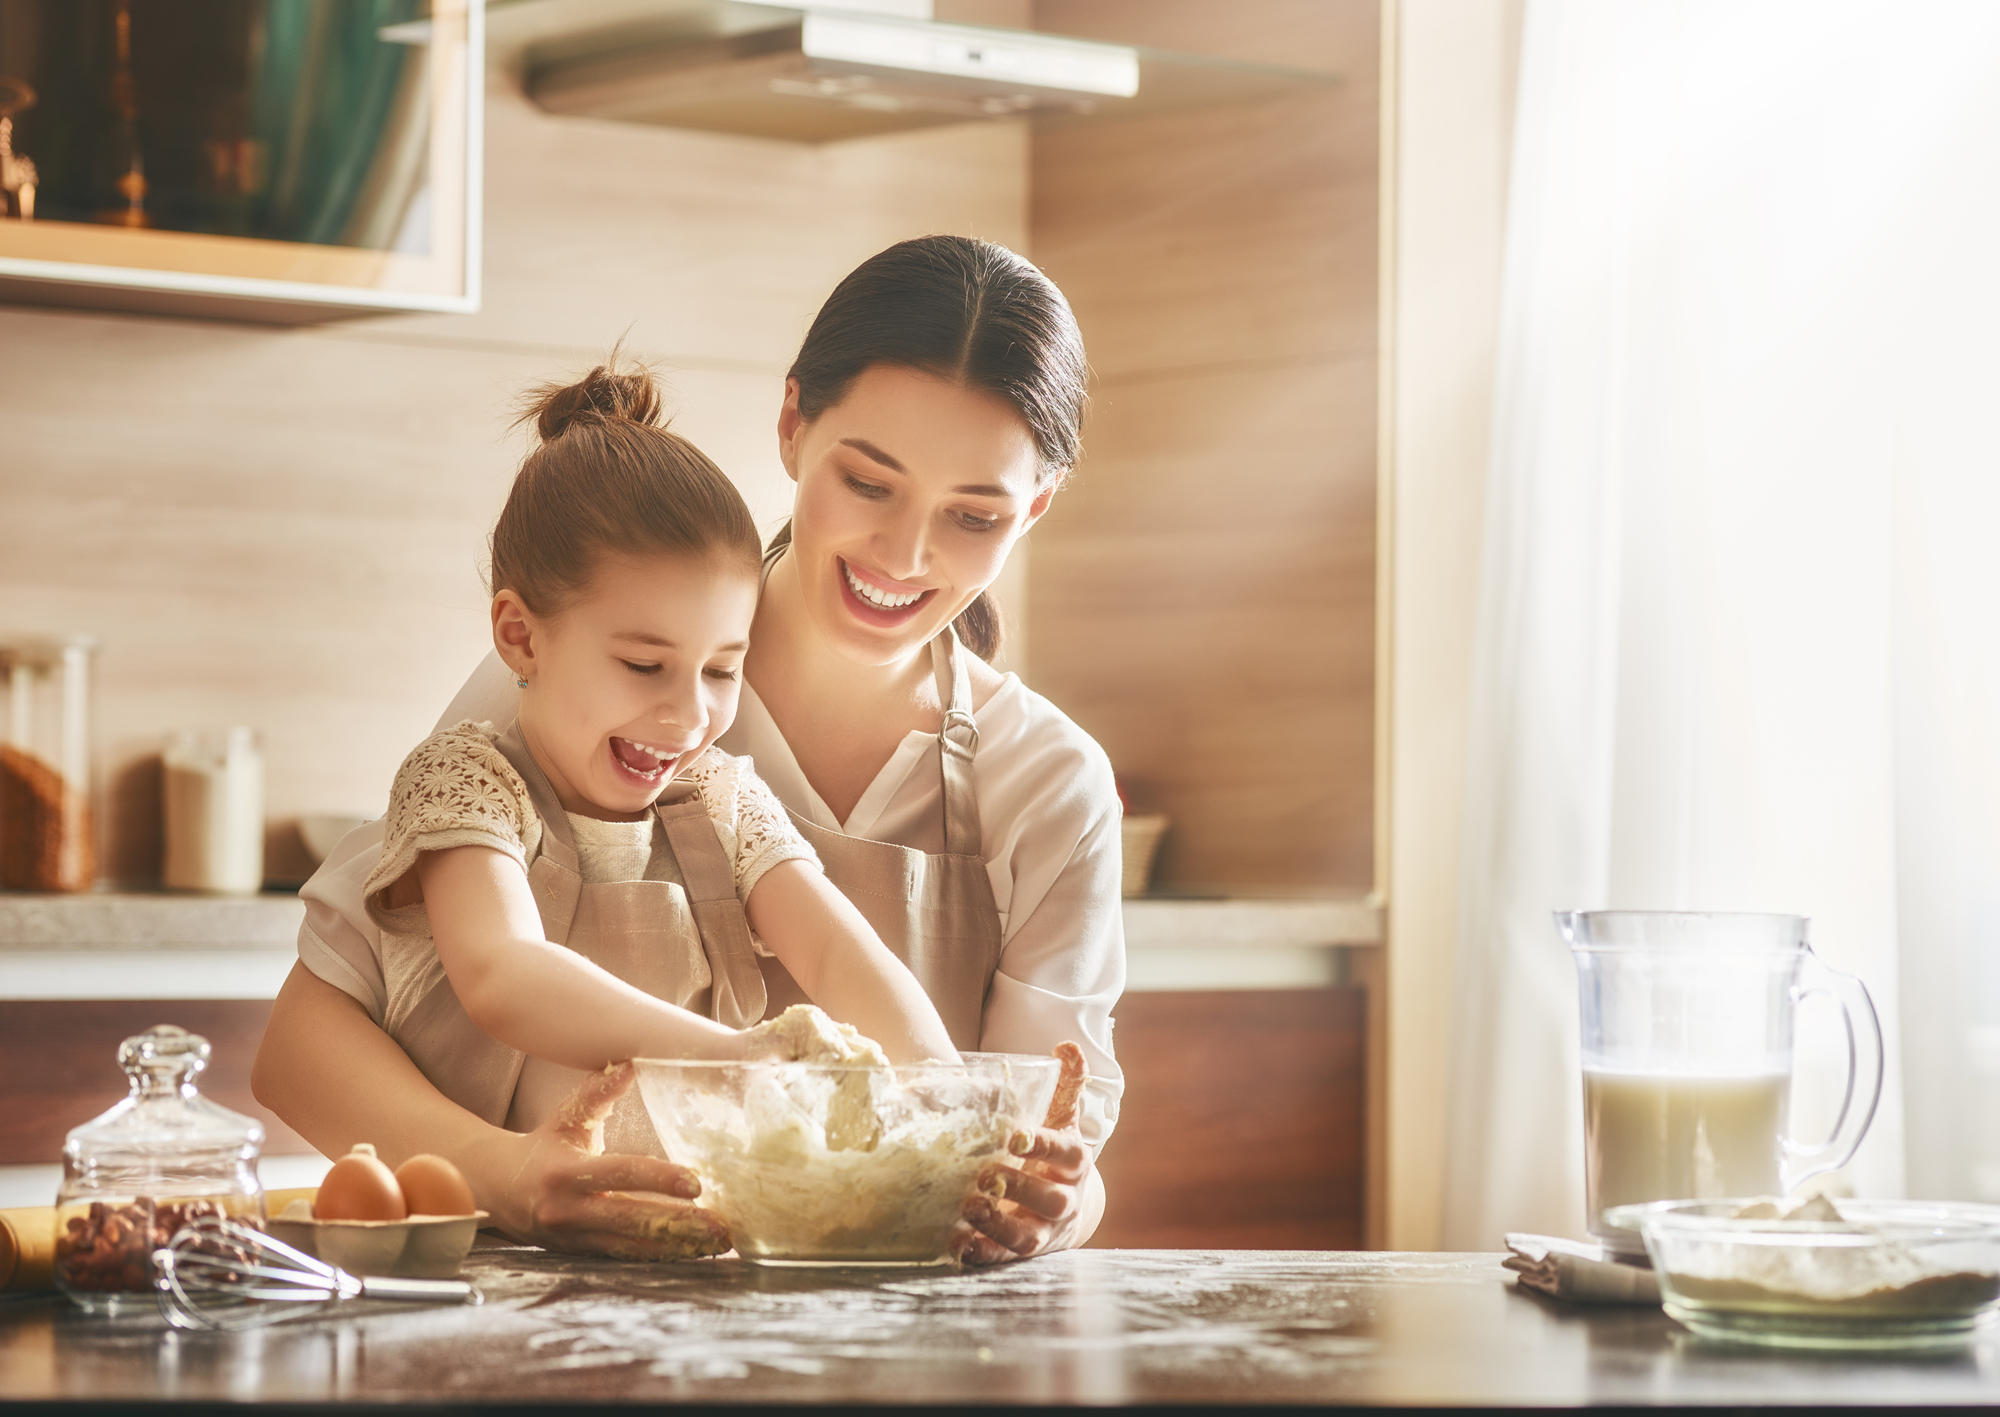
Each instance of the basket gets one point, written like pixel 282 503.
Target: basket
pixel 1141 844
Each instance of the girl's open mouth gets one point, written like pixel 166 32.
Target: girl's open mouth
pixel 641 765
pixel 874 604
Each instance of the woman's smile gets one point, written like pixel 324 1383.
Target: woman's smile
pixel 875 602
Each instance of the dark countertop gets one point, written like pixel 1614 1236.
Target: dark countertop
pixel 1096 1326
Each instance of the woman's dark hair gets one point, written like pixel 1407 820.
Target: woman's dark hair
pixel 967 311
pixel 607 478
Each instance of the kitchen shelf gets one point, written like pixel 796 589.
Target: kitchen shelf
pixel 127 946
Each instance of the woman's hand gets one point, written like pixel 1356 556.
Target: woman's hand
pixel 1053 1199
pixel 555 1187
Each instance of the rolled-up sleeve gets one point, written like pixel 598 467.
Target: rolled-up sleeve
pixel 1062 966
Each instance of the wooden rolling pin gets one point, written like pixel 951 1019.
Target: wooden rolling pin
pixel 28 1239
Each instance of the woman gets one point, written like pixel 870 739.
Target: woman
pixel 931 415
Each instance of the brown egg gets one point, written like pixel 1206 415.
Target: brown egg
pixel 433 1186
pixel 359 1187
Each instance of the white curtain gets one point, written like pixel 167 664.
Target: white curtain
pixel 1739 645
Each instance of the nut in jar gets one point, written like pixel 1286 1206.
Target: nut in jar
pixel 160 1159
pixel 106 1247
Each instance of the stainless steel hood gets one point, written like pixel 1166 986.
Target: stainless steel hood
pixel 835 71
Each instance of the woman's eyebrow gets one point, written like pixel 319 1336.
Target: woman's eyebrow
pixel 869 450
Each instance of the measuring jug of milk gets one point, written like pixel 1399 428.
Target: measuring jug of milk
pixel 1687 1056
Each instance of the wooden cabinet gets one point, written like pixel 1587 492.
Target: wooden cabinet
pixel 278 163
pixel 60 1061
pixel 1242 1124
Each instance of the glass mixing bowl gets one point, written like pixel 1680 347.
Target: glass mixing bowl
pixel 1888 1274
pixel 813 1163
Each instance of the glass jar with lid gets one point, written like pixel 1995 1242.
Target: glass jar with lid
pixel 157 1160
pixel 46 841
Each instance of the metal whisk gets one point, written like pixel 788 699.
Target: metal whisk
pixel 220 1273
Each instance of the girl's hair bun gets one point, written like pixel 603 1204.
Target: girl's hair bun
pixel 604 395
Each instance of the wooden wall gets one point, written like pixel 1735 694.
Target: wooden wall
pixel 285 528
pixel 1203 598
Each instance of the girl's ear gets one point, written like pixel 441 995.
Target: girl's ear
pixel 514 633
pixel 791 425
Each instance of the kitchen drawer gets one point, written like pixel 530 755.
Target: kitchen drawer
pixel 59 1065
pixel 1242 1124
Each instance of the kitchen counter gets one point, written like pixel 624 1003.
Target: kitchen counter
pixel 135 946
pixel 1091 1326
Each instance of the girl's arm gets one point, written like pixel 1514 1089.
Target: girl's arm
pixel 843 966
pixel 547 1001
pixel 337 1078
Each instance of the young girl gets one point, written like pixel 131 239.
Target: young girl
pixel 595 882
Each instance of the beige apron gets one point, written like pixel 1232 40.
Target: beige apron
pixel 936 912
pixel 680 935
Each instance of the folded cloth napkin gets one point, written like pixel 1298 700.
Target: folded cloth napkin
pixel 1579 1273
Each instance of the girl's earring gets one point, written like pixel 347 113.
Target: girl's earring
pixel 519 682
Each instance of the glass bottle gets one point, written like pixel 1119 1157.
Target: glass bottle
pixel 157 1160
pixel 46 753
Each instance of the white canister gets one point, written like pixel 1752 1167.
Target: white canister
pixel 214 798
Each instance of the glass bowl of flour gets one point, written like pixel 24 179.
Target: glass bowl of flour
pixel 1849 1274
pixel 843 1162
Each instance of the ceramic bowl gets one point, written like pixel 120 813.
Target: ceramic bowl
pixel 810 1163
pixel 1887 1274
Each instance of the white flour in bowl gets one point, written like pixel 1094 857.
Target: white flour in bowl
pixel 1874 1275
pixel 849 1163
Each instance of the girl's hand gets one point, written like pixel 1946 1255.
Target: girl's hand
pixel 560 1191
pixel 1045 1202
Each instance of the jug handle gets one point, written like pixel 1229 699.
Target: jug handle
pixel 1864 1073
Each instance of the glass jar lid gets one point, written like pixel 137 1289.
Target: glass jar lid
pixel 164 1123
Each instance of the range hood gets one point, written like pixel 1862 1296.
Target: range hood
pixel 826 72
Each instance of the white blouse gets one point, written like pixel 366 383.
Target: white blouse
pixel 1050 834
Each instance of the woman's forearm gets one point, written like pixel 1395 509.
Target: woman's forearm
pixel 836 957
pixel 337 1079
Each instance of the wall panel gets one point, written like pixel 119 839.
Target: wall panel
pixel 285 527
pixel 1203 600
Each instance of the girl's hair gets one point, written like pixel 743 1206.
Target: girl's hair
pixel 607 478
pixel 967 311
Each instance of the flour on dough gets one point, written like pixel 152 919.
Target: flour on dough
pixel 804 1034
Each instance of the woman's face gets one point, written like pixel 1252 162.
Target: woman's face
pixel 912 490
pixel 633 679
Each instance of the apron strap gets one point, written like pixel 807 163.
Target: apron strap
pixel 558 907
pixel 739 996
pixel 958 740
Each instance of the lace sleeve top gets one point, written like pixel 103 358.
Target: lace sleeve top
pixel 458 789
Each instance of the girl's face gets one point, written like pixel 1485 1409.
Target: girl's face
pixel 912 490
pixel 632 679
